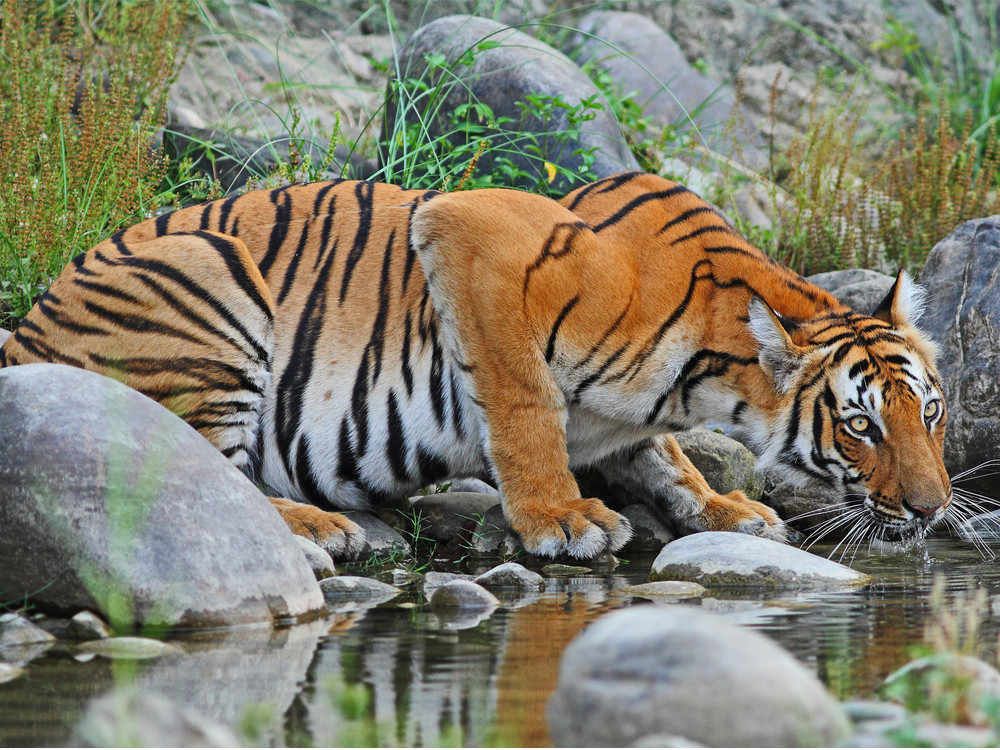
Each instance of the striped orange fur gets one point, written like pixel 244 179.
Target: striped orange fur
pixel 343 342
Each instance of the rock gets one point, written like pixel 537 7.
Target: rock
pixel 560 570
pixel 9 672
pixel 319 559
pixel 648 531
pixel 357 589
pixel 380 538
pixel 126 647
pixel 433 580
pixel 4 335
pixel 445 515
pixel 856 287
pixel 661 739
pixel 109 502
pixel 16 630
pixel 726 464
pixel 500 68
pixel 459 594
pixel 725 558
pixel 875 723
pixel 665 590
pixel 641 57
pixel 665 670
pixel 963 317
pixel 981 526
pixel 132 719
pixel 472 484
pixel 803 507
pixel 492 535
pixel 86 626
pixel 510 575
pixel 972 684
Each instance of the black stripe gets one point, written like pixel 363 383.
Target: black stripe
pixel 550 349
pixel 224 210
pixel 431 467
pixel 107 290
pixel 703 230
pixel 437 377
pixel 347 465
pixel 395 448
pixel 162 224
pixel 571 231
pixel 293 264
pixel 139 323
pixel 228 250
pixel 81 269
pixel 365 192
pixel 206 215
pixel 206 371
pixel 685 216
pixel 456 406
pixel 305 476
pixel 282 216
pixel 607 334
pixel 635 203
pixel 320 195
pixel 737 413
pixel 324 238
pixel 593 377
pixel 405 366
pixel 43 306
pixel 606 185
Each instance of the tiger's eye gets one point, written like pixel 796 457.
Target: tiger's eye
pixel 859 423
pixel 931 410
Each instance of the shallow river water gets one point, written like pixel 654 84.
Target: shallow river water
pixel 396 675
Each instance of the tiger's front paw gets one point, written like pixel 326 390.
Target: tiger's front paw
pixel 583 528
pixel 733 512
pixel 335 533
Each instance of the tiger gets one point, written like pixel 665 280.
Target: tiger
pixel 348 342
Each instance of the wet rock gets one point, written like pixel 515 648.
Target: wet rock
pixel 380 538
pixel 641 57
pixel 4 335
pixel 319 559
pixel 664 740
pixel 86 626
pixel 963 317
pixel 357 588
pixel 9 672
pixel 660 670
pixel 510 576
pixel 856 287
pixel 16 630
pixel 665 590
pixel 506 66
pixel 933 677
pixel 445 515
pixel 982 526
pixel 433 580
pixel 106 496
pixel 560 570
pixel 648 531
pixel 725 558
pixel 459 594
pixel 803 507
pixel 725 463
pixel 492 535
pixel 126 647
pixel 133 719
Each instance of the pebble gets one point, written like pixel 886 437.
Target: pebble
pixel 9 672
pixel 665 590
pixel 127 647
pixel 318 558
pixel 461 594
pixel 16 630
pixel 357 588
pixel 510 575
pixel 86 626
pixel 558 569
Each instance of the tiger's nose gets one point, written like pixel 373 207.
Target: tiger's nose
pixel 921 510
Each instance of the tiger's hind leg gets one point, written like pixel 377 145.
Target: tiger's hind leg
pixel 664 478
pixel 188 320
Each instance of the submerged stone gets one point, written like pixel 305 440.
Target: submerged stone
pixel 665 590
pixel 357 588
pixel 127 647
pixel 460 594
pixel 16 630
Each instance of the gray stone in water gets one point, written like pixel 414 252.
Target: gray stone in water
pixel 127 647
pixel 666 670
pixel 446 514
pixel 133 719
pixel 86 626
pixel 9 672
pixel 648 531
pixel 501 76
pixel 559 570
pixel 319 559
pixel 725 463
pixel 510 575
pixel 357 588
pixel 858 288
pixel 380 537
pixel 492 535
pixel 103 489
pixel 641 57
pixel 665 590
pixel 982 526
pixel 460 594
pixel 963 317
pixel 433 580
pixel 16 630
pixel 804 507
pixel 661 739
pixel 725 558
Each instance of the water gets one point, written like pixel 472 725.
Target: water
pixel 395 675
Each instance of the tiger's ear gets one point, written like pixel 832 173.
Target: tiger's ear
pixel 779 356
pixel 904 303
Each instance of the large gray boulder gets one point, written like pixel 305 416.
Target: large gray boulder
pixel 859 288
pixel 725 463
pixel 667 670
pixel 109 502
pixel 725 558
pixel 477 60
pixel 641 57
pixel 963 317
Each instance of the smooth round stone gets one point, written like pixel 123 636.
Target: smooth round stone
pixel 318 558
pixel 127 647
pixel 9 672
pixel 16 630
pixel 86 626
pixel 725 558
pixel 510 575
pixel 682 672
pixel 461 594
pixel 558 569
pixel 665 590
pixel 435 579
pixel 356 588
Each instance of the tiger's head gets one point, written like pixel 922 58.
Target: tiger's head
pixel 860 406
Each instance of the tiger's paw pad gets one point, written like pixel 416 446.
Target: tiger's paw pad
pixel 581 528
pixel 733 512
pixel 338 535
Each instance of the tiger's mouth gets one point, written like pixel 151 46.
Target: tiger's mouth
pixel 905 533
